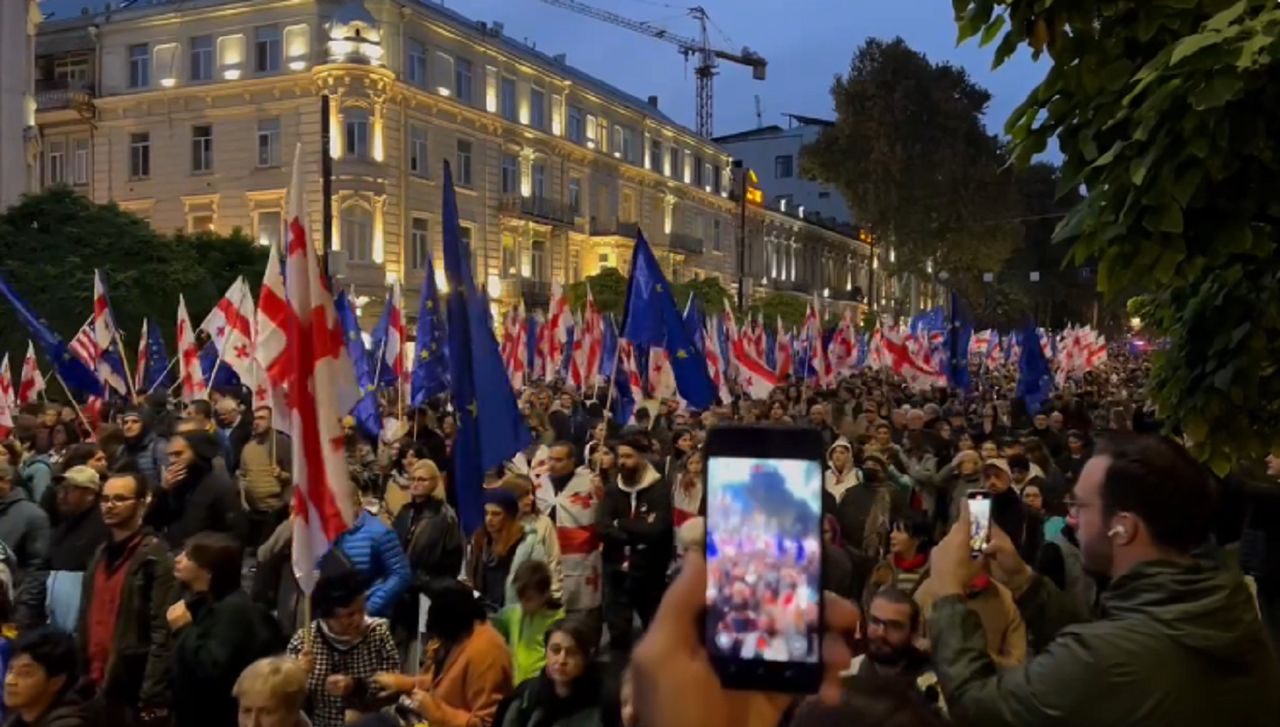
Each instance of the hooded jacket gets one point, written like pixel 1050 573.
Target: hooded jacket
pixel 206 499
pixel 635 525
pixel 1177 644
pixel 839 483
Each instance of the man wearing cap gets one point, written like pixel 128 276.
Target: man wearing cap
pixel 1007 511
pixel 24 527
pixel 78 535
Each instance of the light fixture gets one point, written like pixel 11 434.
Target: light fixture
pixel 231 74
pixel 442 281
pixel 297 65
pixel 1135 322
pixel 444 91
pixel 826 292
pixel 494 287
pixel 168 82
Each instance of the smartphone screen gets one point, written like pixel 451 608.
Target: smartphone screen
pixel 979 502
pixel 764 563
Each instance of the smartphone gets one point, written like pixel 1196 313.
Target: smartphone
pixel 979 503
pixel 764 618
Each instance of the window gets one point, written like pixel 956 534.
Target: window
pixel 73 70
pixel 462 83
pixel 268 51
pixel 418 150
pixel 82 161
pixel 269 142
pixel 697 171
pixel 356 133
pixel 784 202
pixel 716 178
pixel 707 175
pixel 268 227
pixel 715 235
pixel 357 233
pixel 57 158
pixel 627 206
pixel 539 180
pixel 575 266
pixel 140 155
pixel 510 174
pixel 415 63
pixel 463 173
pixel 575 124
pixel 202 58
pixel 537 108
pixel 508 97
pixel 538 260
pixel 628 146
pixel 602 133
pixel 782 166
pixel 201 149
pixel 677 163
pixel 655 155
pixel 419 243
pixel 575 195
pixel 477 252
pixel 139 66
pixel 508 255
pixel 201 222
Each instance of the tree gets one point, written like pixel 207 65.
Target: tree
pixel 910 153
pixel 790 308
pixel 608 289
pixel 50 244
pixel 1165 113
pixel 710 291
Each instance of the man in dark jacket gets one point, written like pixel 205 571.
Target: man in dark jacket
pixel 234 429
pixel 41 679
pixel 635 525
pixel 78 535
pixel 1179 643
pixel 124 638
pixel 867 512
pixel 143 445
pixel 194 496
pixel 24 528
pixel 432 539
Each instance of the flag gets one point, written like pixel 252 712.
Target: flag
pixel 559 323
pixel 715 362
pixel 627 380
pixel 755 379
pixel 71 370
pixel 388 341
pixel 651 319
pixel 817 351
pixel 899 356
pixel 588 347
pixel 431 362
pixel 782 356
pixel 958 341
pixel 321 386
pixel 32 383
pixel 109 359
pixel 365 411
pixel 217 374
pixel 1034 380
pixel 514 345
pixel 272 319
pixel 477 382
pixel 609 348
pixel 230 326
pixel 153 359
pixel 8 402
pixel 693 323
pixel 140 361
pixel 662 380
pixel 190 370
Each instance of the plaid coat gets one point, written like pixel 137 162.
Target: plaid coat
pixel 374 653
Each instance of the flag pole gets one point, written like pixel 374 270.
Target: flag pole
pixel 74 405
pixel 164 373
pixel 124 361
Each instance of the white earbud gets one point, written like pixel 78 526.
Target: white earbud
pixel 1117 530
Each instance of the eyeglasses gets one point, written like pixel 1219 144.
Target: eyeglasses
pixel 116 499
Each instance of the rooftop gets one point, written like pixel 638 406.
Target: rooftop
pixel 93 10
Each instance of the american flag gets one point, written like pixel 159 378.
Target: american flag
pixel 321 384
pixel 190 373
pixel 140 363
pixel 107 356
pixel 32 382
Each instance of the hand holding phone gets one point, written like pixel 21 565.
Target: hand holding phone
pixel 979 504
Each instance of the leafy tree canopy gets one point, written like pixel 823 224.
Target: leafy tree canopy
pixel 50 244
pixel 1165 112
pixel 909 151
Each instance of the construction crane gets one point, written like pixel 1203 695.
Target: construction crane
pixel 708 58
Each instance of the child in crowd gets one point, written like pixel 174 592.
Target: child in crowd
pixel 524 625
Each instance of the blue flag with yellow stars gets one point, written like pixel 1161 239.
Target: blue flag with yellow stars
pixel 71 370
pixel 430 358
pixel 156 370
pixel 651 318
pixel 490 426
pixel 958 335
pixel 366 409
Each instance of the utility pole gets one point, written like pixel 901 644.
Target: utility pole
pixel 740 177
pixel 326 184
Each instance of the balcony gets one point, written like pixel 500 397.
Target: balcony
pixel 538 209
pixel 534 293
pixel 62 95
pixel 686 243
pixel 614 227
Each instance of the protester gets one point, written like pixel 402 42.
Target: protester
pixel 270 693
pixel 40 682
pixel 73 542
pixel 373 551
pixel 845 571
pixel 537 526
pixel 124 638
pixel 571 497
pixel 234 431
pixel 396 495
pixel 841 473
pixel 264 474
pixel 908 563
pixel 342 649
pixel 193 495
pixel 499 548
pixel 1182 643
pixel 148 451
pixel 218 631
pixel 892 654
pixel 567 692
pixel 24 529
pixel 688 490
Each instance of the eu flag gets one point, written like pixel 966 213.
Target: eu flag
pixel 431 362
pixel 651 319
pixel 1034 380
pixel 693 324
pixel 609 349
pixel 366 409
pixel 217 376
pixel 71 370
pixel 383 372
pixel 958 336
pixel 478 380
pixel 157 367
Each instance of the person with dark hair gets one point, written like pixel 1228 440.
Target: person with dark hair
pixel 147 449
pixel 892 627
pixel 635 524
pixel 1077 452
pixel 61 437
pixel 40 682
pixel 571 498
pixel 567 691
pixel 1181 643
pixel 466 671
pixel 396 496
pixel 73 542
pixel 342 649
pixel 499 548
pixel 219 631
pixel 524 624
pixel 869 701
pixel 844 570
pixel 907 565
pixel 34 468
pixel 200 412
pixel 374 551
pixel 193 495
pixel 24 528
pixel 123 634
pixel 264 475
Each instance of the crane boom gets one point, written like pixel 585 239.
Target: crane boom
pixel 700 48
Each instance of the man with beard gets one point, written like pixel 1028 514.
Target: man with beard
pixel 893 623
pixel 635 525
pixel 1180 644
pixel 194 496
pixel 573 504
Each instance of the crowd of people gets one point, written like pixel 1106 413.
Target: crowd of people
pixel 146 579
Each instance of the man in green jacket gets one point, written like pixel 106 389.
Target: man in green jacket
pixel 1177 642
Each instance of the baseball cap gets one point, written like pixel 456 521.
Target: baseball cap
pixel 81 476
pixel 1000 464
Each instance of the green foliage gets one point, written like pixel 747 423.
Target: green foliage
pixel 1165 111
pixel 710 291
pixel 608 289
pixel 910 153
pixel 51 243
pixel 791 308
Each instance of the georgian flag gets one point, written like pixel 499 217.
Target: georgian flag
pixel 32 382
pixel 755 378
pixel 190 373
pixel 230 326
pixel 7 400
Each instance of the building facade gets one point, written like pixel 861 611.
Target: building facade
pixel 19 143
pixel 774 153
